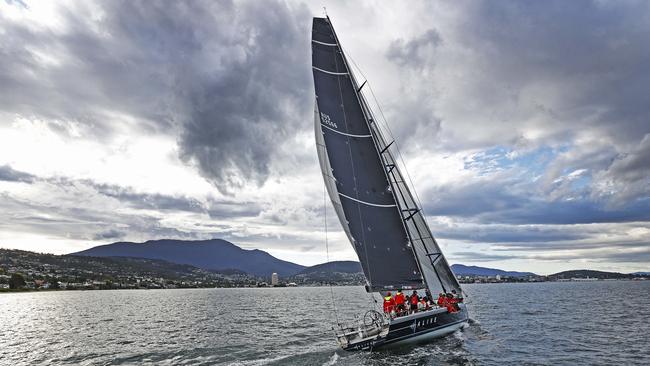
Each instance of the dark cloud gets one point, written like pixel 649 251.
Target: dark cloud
pixel 595 54
pixel 238 118
pixel 222 209
pixel 555 246
pixel 639 255
pixel 527 75
pixel 497 234
pixel 635 255
pixel 109 234
pixel 215 208
pixel 154 201
pixel 85 223
pixel 232 82
pixel 510 201
pixel 481 257
pixel 9 174
pixel 627 178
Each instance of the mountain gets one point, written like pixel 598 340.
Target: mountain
pixel 225 257
pixel 112 272
pixel 214 254
pixel 584 273
pixel 336 266
pixel 640 273
pixel 463 270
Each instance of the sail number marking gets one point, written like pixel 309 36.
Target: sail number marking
pixel 326 120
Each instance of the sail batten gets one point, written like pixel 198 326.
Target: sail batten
pixel 325 44
pixel 329 72
pixel 343 133
pixel 366 203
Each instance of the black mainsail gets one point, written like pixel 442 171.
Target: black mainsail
pixel 372 200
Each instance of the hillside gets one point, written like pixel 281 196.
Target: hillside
pixel 584 273
pixel 337 273
pixel 126 271
pixel 462 270
pixel 214 254
pixel 336 266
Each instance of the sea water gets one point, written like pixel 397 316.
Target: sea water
pixel 578 323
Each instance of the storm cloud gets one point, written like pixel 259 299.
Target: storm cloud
pixel 230 80
pixel 528 75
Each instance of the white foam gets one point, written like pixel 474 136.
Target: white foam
pixel 458 334
pixel 332 360
pixel 262 361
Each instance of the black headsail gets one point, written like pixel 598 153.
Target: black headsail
pixel 370 196
pixel 353 172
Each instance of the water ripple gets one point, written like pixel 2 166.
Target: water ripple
pixel 539 324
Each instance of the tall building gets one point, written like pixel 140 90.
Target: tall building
pixel 274 279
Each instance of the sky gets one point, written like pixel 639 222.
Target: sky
pixel 524 125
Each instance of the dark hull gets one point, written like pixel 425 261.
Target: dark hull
pixel 415 328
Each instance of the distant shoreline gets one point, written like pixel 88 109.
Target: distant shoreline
pixel 24 290
pixel 23 271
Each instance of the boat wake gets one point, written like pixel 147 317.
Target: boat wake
pixel 332 360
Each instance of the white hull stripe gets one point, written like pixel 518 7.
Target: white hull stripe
pixel 343 133
pixel 365 203
pixel 323 43
pixel 329 72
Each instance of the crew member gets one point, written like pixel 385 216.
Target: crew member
pixel 451 303
pixel 423 304
pixel 389 303
pixel 399 302
pixel 457 296
pixel 414 301
pixel 442 300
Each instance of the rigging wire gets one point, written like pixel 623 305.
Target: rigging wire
pixel 327 253
pixel 390 133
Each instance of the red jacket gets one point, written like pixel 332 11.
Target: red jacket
pixel 451 305
pixel 399 299
pixel 442 301
pixel 389 304
pixel 414 299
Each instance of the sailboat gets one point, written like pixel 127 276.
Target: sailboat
pixel 375 206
